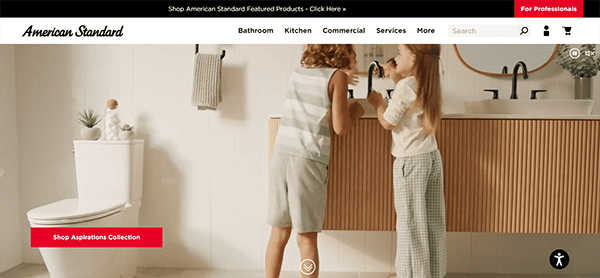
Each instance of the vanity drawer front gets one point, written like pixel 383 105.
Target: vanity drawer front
pixel 521 176
pixel 500 176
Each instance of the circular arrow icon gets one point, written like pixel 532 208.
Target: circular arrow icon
pixel 307 267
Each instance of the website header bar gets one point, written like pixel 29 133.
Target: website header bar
pixel 294 30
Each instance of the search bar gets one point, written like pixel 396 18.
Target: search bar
pixel 489 30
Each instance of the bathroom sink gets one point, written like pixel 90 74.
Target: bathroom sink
pixel 369 111
pixel 530 107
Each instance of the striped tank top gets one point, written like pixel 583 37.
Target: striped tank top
pixel 305 127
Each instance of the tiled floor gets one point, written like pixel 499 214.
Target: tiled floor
pixel 40 271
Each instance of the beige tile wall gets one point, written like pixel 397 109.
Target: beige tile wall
pixel 10 236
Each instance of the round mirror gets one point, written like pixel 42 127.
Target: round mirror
pixel 490 59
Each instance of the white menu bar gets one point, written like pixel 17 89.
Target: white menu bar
pixel 298 30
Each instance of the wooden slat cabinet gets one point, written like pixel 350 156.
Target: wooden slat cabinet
pixel 500 176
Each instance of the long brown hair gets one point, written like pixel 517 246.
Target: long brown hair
pixel 427 76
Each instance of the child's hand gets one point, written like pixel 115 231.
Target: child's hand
pixel 375 99
pixel 356 110
pixel 386 70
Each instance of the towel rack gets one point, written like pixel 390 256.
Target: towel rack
pixel 222 55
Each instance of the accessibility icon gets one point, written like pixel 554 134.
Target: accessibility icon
pixel 559 259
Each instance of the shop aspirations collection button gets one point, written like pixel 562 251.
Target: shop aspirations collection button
pixel 96 237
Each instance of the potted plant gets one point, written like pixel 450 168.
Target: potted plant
pixel 89 118
pixel 126 132
pixel 582 64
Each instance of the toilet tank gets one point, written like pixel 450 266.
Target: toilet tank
pixel 110 169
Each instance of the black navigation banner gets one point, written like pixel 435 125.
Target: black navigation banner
pixel 181 9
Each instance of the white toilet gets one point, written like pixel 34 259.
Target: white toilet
pixel 109 183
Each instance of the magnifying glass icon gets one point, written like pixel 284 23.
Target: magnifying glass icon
pixel 524 30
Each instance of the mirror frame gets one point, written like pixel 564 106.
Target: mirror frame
pixel 503 74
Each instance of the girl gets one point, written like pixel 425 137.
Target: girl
pixel 413 115
pixel 316 101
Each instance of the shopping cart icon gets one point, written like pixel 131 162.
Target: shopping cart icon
pixel 567 30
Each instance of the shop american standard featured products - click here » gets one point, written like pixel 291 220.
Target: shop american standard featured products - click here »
pixel 82 31
pixel 254 9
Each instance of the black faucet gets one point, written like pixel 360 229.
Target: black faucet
pixel 514 78
pixel 505 69
pixel 370 77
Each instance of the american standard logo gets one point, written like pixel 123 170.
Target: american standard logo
pixel 83 31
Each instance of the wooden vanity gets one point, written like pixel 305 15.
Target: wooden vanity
pixel 501 175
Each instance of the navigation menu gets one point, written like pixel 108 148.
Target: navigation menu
pixel 327 30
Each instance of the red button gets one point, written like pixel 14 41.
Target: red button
pixel 96 237
pixel 548 8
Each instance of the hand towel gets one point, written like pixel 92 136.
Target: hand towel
pixel 207 81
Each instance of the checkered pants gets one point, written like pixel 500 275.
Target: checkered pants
pixel 421 224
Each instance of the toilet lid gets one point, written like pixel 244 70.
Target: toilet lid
pixel 74 210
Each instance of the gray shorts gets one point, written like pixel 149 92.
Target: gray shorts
pixel 297 193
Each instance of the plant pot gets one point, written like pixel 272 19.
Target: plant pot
pixel 583 88
pixel 126 135
pixel 90 133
